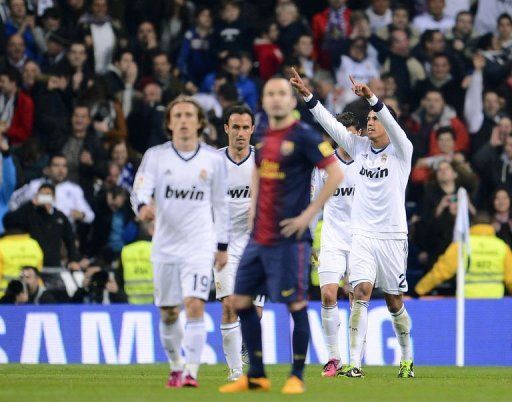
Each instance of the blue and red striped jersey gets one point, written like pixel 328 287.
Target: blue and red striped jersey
pixel 285 160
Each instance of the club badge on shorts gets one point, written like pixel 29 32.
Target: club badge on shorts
pixel 287 148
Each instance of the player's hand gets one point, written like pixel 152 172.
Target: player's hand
pixel 360 89
pixel 297 225
pixel 298 84
pixel 147 213
pixel 221 259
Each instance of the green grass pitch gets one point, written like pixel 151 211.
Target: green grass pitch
pixel 146 383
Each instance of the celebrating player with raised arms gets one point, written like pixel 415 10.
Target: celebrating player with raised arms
pixel 188 181
pixel 239 155
pixel 277 256
pixel 378 256
pixel 335 242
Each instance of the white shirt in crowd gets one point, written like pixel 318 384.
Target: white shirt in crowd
pixel 378 210
pixel 189 190
pixel 379 21
pixel 68 197
pixel 336 232
pixel 425 21
pixel 363 71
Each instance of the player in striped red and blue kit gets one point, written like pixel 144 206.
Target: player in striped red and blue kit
pixel 276 260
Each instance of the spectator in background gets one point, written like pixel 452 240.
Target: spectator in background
pixel 504 32
pixel 434 18
pixel 16 108
pixel 441 78
pixel 72 11
pixel 98 287
pixel 107 114
pixel 79 71
pixel 196 57
pixel 124 157
pixel 36 291
pixel 400 64
pixel 15 53
pixel 84 152
pixel 145 47
pixel 15 293
pixel 231 33
pixel 121 74
pixel 330 28
pixel 501 218
pixel 21 23
pixel 112 217
pixel 303 51
pixel 432 42
pixel 101 34
pixel 163 76
pixel 481 110
pixel 291 26
pixel 8 179
pixel 177 19
pixel 55 57
pixel 266 51
pixel 399 20
pixel 30 76
pixel 379 14
pixel 49 226
pixel 462 38
pixel 69 197
pixel 145 122
pixel 424 122
pixel 17 249
pixel 50 22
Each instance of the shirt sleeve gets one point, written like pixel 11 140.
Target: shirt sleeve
pixel 396 134
pixel 473 103
pixel 316 150
pixel 21 196
pixel 83 206
pixel 220 203
pixel 144 183
pixel 337 131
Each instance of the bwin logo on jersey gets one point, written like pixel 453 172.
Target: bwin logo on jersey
pixel 374 174
pixel 344 191
pixel 178 194
pixel 244 192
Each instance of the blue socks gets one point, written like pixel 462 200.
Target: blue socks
pixel 251 334
pixel 300 341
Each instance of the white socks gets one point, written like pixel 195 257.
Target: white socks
pixel 232 344
pixel 358 328
pixel 170 337
pixel 193 343
pixel 402 327
pixel 330 329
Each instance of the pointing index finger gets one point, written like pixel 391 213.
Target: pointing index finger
pixel 352 80
pixel 295 73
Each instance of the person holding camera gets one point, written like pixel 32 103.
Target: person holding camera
pixel 48 226
pixel 99 287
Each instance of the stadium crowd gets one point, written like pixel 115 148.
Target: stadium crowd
pixel 84 85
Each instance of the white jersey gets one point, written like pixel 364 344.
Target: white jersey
pixel 379 202
pixel 188 192
pixel 239 190
pixel 336 232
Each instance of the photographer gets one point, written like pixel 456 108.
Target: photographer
pixel 99 287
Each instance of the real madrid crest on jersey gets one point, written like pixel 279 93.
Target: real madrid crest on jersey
pixel 287 148
pixel 384 158
pixel 203 174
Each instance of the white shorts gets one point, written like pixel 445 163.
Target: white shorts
pixel 382 262
pixel 175 281
pixel 333 265
pixel 225 280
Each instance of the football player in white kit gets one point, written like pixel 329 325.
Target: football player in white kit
pixel 188 181
pixel 378 256
pixel 335 242
pixel 239 155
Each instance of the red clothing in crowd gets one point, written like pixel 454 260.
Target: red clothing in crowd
pixel 22 120
pixel 269 57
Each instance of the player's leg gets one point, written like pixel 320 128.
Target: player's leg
pixel 362 277
pixel 393 263
pixel 195 279
pixel 287 270
pixel 250 279
pixel 230 325
pixel 168 298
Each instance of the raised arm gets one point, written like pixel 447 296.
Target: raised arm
pixel 473 102
pixel 395 133
pixel 333 127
